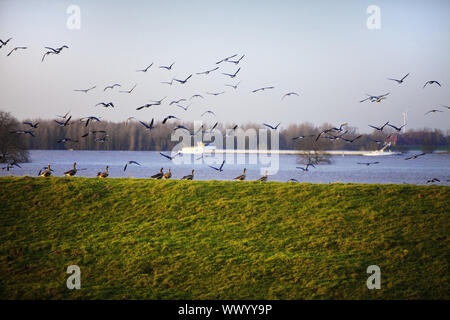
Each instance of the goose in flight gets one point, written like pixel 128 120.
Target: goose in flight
pixel 46 173
pixel 197 96
pixel 72 172
pixel 4 43
pixel 32 125
pixel 396 128
pixel 112 86
pixel 263 178
pixel 168 118
pixel 167 82
pixel 176 101
pixel 88 119
pixel 216 93
pixel 340 127
pixel 208 71
pixel 368 163
pixel 159 175
pixel 169 157
pixel 189 176
pixel 85 90
pixel 145 70
pixel 242 176
pixel 208 111
pixel 183 81
pixel 30 132
pixel 148 126
pixel 129 91
pixel 129 163
pixel 416 156
pixel 219 169
pixel 167 175
pixel 64 140
pixel 433 111
pixel 46 54
pixel 236 61
pixel 271 127
pixel 232 75
pixel 16 48
pixel 430 82
pixel 158 102
pixel 226 59
pixel 106 105
pixel 65 123
pixel 147 105
pixel 57 50
pixel 10 165
pixel 398 81
pixel 64 116
pixel 184 108
pixel 289 94
pixel 379 128
pixel 93 132
pixel 181 127
pixel 292 180
pixel 233 86
pixel 375 98
pixel 433 180
pixel 102 139
pixel 352 140
pixel 262 89
pixel 103 174
pixel 168 68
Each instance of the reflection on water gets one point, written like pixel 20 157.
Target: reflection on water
pixel 391 169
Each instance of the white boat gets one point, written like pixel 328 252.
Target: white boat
pixel 199 149
pixel 381 152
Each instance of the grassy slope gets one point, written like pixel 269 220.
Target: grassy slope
pixel 135 238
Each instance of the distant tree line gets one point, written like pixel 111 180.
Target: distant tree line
pixel 132 135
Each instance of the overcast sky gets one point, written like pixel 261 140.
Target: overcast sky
pixel 321 49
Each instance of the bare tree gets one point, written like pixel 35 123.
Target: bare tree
pixel 12 147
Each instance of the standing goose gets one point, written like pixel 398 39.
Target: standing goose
pixel 46 173
pixel 103 174
pixel 168 174
pixel 189 176
pixel 158 175
pixel 263 178
pixel 242 176
pixel 72 172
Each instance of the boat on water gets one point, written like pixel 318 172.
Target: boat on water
pixel 384 151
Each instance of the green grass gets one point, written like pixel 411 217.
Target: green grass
pixel 144 239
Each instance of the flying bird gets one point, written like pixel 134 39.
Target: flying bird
pixel 129 91
pixel 379 128
pixel 226 59
pixel 30 132
pixel 262 89
pixel 88 119
pixel 176 101
pixel 64 140
pixel 208 111
pixel 216 93
pixel 102 139
pixel 112 86
pixel 16 48
pixel 220 169
pixel 236 61
pixel 32 125
pixel 368 163
pixel 148 126
pixel 65 123
pixel 168 68
pixel 147 105
pixel 85 90
pixel 232 75
pixel 271 127
pixel 415 156
pixel 399 81
pixel 169 157
pixel 4 43
pixel 431 82
pixel 183 81
pixel 433 111
pixel 93 132
pixel 106 105
pixel 167 82
pixel 208 71
pixel 396 128
pixel 169 117
pixel 289 94
pixel 233 86
pixel 129 163
pixel 433 180
pixel 197 96
pixel 184 108
pixel 375 98
pixel 145 70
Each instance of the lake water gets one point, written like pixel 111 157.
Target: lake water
pixel 391 169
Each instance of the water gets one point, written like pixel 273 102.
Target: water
pixel 391 169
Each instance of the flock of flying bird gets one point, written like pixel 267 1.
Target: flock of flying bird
pixel 333 134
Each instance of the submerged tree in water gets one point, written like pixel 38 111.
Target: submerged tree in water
pixel 12 146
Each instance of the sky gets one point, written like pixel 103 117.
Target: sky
pixel 323 50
